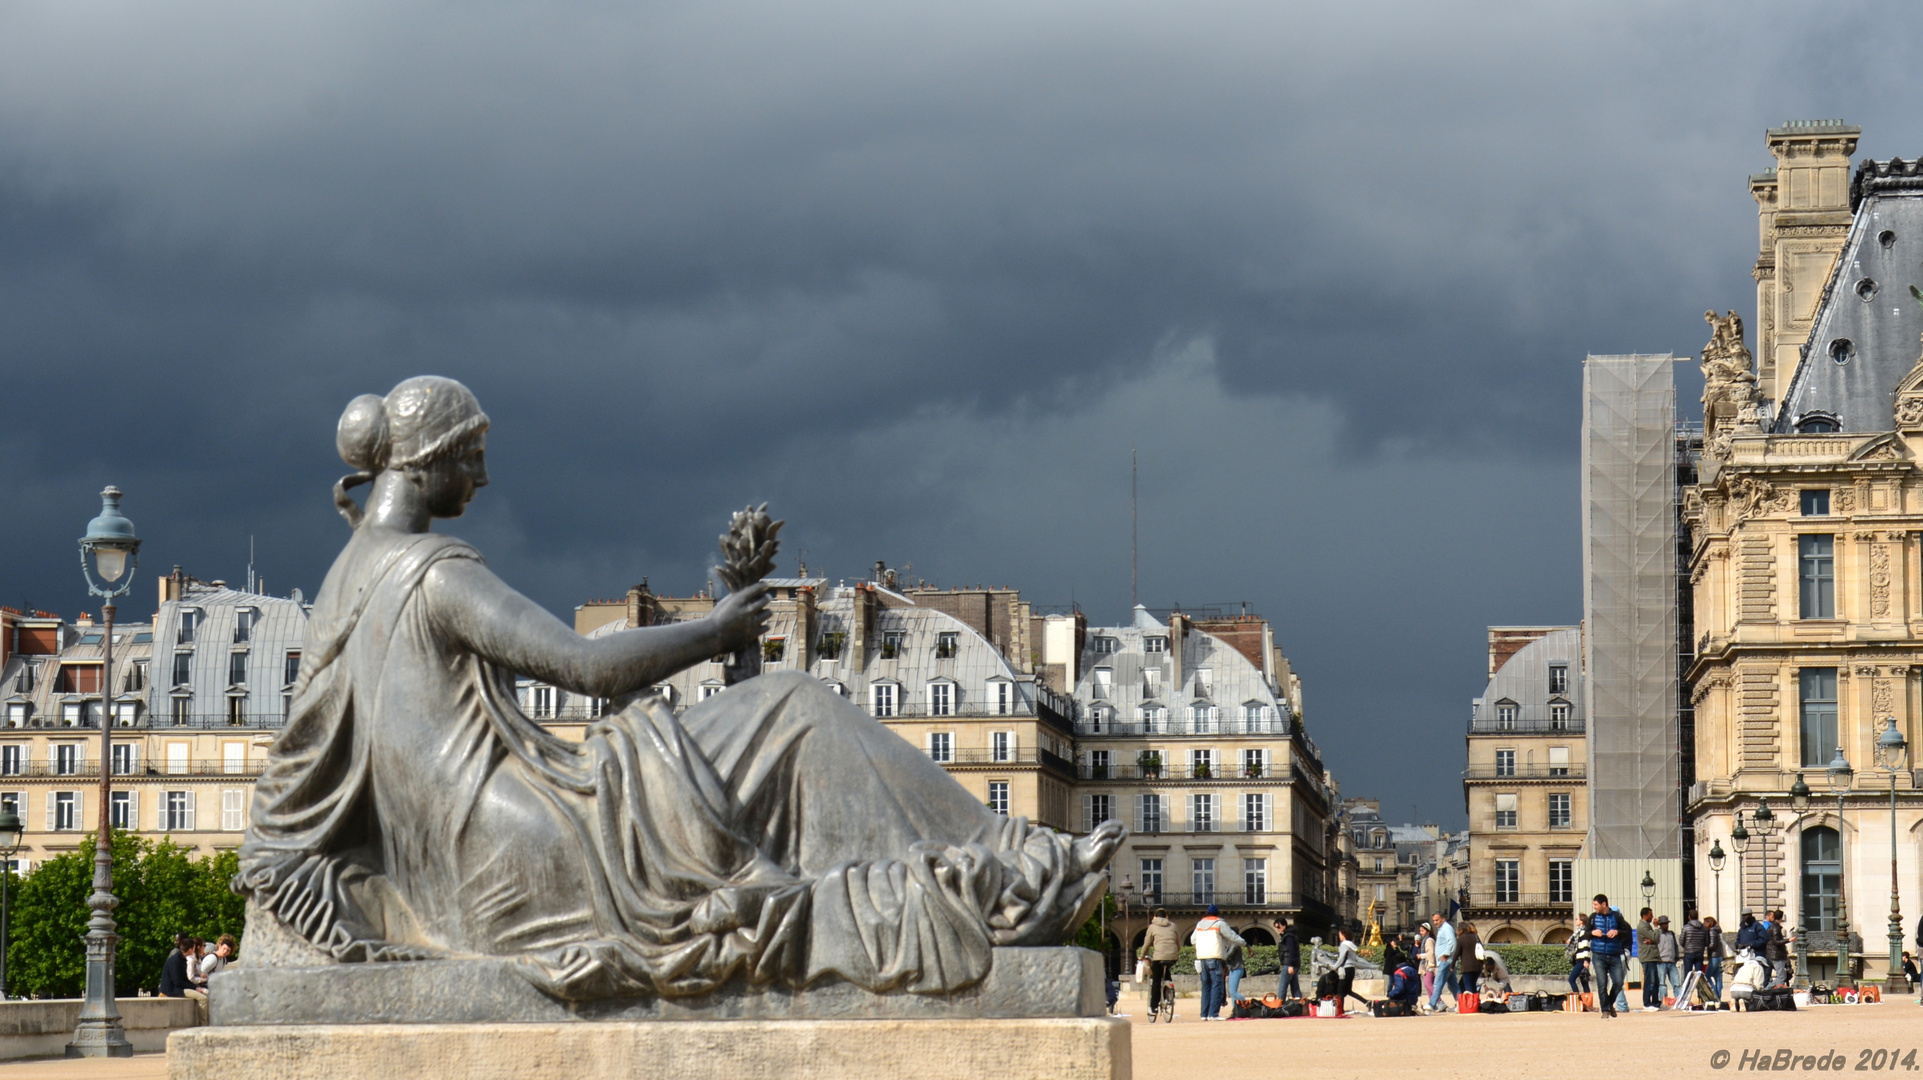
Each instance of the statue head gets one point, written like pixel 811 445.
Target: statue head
pixel 429 429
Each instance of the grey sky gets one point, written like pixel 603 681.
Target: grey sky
pixel 919 274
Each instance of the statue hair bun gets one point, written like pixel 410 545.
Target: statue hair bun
pixel 362 435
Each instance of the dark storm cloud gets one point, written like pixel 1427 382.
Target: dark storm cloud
pixel 924 274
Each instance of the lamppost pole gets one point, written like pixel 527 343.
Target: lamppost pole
pixel 1716 859
pixel 1739 839
pixel 113 548
pixel 1891 751
pixel 1841 776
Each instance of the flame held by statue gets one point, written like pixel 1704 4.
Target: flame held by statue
pixel 747 555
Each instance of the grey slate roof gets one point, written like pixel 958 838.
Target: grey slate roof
pixel 1866 317
pixel 1523 680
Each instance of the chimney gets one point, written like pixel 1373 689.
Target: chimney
pixel 860 634
pixel 643 609
pixel 1178 630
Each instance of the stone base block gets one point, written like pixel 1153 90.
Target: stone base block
pixel 1059 1049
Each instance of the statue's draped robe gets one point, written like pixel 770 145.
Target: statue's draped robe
pixel 771 834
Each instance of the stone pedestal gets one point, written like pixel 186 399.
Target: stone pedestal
pixel 1062 1049
pixel 1039 1013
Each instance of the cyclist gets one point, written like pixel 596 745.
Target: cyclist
pixel 1161 948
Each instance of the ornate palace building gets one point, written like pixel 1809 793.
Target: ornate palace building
pixel 1806 565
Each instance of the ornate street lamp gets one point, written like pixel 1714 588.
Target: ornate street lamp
pixel 10 834
pixel 1765 821
pixel 1799 794
pixel 1840 775
pixel 108 555
pixel 1649 887
pixel 1892 753
pixel 1716 859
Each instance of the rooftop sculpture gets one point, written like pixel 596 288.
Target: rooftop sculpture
pixel 772 835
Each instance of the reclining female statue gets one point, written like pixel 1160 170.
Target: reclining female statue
pixel 772 834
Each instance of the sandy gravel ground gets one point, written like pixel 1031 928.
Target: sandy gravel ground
pixel 1535 1046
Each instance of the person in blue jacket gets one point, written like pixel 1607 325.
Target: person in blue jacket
pixel 1610 937
pixel 1405 986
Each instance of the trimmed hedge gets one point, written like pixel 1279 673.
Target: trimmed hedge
pixel 1534 959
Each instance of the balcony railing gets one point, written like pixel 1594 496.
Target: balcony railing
pixel 144 770
pixel 1030 756
pixel 1136 772
pixel 1267 899
pixel 1183 726
pixel 1525 772
pixel 1517 899
pixel 1489 725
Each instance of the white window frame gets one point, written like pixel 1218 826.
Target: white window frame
pixel 1202 812
pixel 883 698
pixel 1152 883
pixel 126 759
pixel 998 796
pixel 1257 814
pixel 126 810
pixel 941 746
pixel 941 698
pixel 69 759
pixel 1202 879
pixel 63 811
pixel 1001 746
pixel 14 759
pixel 1151 814
pixel 1507 803
pixel 1255 882
pixel 233 758
pixel 177 811
pixel 1505 762
pixel 232 809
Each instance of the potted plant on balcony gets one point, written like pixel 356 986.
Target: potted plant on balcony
pixel 1150 763
pixel 1252 769
pixel 1202 770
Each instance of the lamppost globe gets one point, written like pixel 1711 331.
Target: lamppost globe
pixel 1739 836
pixel 1764 819
pixel 1649 886
pixel 111 548
pixel 1839 771
pixel 1891 746
pixel 1717 857
pixel 1799 794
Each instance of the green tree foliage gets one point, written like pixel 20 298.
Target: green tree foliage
pixel 162 892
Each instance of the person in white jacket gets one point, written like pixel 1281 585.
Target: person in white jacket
pixel 1212 938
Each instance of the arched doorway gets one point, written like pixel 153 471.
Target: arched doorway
pixel 1508 935
pixel 1258 935
pixel 1556 935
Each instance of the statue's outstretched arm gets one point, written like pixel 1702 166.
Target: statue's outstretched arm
pixel 472 606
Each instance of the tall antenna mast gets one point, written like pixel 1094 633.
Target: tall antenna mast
pixel 250 562
pixel 1134 534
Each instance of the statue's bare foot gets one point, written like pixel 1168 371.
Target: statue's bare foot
pixel 1092 852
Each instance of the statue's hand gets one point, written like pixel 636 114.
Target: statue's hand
pixel 741 616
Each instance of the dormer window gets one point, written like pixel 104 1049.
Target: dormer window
pixel 237 669
pixel 1559 716
pixel 773 649
pixel 829 647
pixel 23 682
pixel 947 644
pixel 1506 713
pixel 1559 678
pixel 941 699
pixel 1157 644
pixel 244 625
pixel 1105 645
pixel 189 621
pixel 891 644
pixel 183 668
pixel 290 668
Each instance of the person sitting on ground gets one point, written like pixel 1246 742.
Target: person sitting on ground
pixel 1494 983
pixel 1751 975
pixel 1405 986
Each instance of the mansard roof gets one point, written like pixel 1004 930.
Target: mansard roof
pixel 1865 334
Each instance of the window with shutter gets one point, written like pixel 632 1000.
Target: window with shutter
pixel 230 804
pixel 1505 811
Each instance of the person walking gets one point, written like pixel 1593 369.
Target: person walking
pixel 1609 941
pixel 1288 956
pixel 1445 948
pixel 1668 955
pixel 1346 956
pixel 1212 938
pixel 1578 950
pixel 1161 949
pixel 1716 950
pixel 1469 958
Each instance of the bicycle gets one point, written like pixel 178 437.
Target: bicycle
pixel 1168 998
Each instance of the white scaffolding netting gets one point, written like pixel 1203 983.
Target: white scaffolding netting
pixel 1629 604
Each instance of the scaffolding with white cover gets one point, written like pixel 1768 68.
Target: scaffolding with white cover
pixel 1629 605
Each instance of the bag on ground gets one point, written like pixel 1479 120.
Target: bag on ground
pixel 1493 1008
pixel 1467 1003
